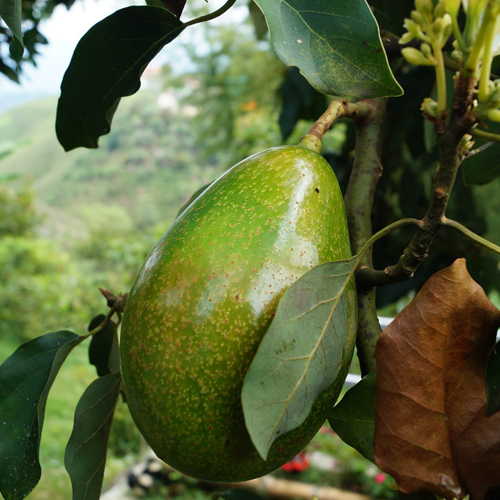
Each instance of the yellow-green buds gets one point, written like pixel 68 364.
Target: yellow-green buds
pixel 424 6
pixel 430 107
pixel 416 57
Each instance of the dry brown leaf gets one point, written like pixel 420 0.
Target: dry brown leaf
pixel 431 431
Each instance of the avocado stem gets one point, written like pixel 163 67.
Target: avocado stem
pixel 311 142
pixel 361 110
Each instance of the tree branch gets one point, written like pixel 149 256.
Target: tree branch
pixel 358 201
pixel 448 138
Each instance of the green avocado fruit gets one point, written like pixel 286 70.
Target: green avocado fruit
pixel 206 296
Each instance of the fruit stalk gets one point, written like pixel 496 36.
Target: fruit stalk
pixel 360 111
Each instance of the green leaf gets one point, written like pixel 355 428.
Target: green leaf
pixel 300 102
pixel 25 381
pixel 193 197
pixel 11 14
pixel 103 349
pixel 493 380
pixel 390 13
pixel 353 418
pixel 174 6
pixel 237 494
pixel 107 65
pixel 335 44
pixel 484 167
pixel 300 355
pixel 85 455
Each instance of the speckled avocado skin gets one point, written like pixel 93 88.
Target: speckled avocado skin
pixel 206 296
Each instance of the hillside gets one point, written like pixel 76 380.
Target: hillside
pixel 147 166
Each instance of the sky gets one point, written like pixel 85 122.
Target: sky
pixel 63 30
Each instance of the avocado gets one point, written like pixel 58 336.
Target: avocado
pixel 206 296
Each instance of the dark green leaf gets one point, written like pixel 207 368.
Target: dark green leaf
pixel 174 6
pixel 193 197
pixel 258 20
pixel 300 355
pixel 25 381
pixel 300 102
pixel 483 167
pixel 335 44
pixel 353 418
pixel 391 13
pixel 10 12
pixel 103 348
pixel 237 494
pixel 107 65
pixel 85 455
pixel 493 380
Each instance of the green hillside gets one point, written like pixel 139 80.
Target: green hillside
pixel 147 165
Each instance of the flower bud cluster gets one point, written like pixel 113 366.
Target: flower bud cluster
pixel 431 24
pixel 430 107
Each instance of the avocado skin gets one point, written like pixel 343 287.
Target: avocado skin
pixel 206 296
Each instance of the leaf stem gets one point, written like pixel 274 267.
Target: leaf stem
pixel 105 321
pixel 212 15
pixel 471 235
pixel 484 135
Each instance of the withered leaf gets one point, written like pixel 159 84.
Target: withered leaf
pixel 431 429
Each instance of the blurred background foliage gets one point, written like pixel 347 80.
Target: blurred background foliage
pixel 73 222
pixel 32 12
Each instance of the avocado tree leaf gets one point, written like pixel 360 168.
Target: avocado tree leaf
pixel 493 380
pixel 11 14
pixel 25 381
pixel 174 6
pixel 390 13
pixel 103 348
pixel 237 494
pixel 107 65
pixel 482 168
pixel 85 455
pixel 300 355
pixel 300 102
pixel 335 44
pixel 353 418
pixel 431 428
